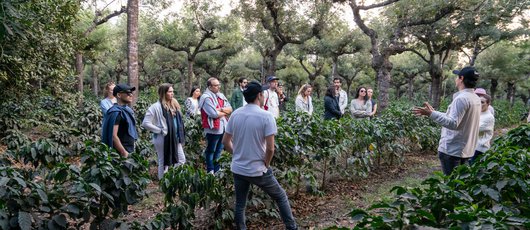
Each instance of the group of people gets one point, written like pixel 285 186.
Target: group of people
pixel 248 135
pixel 467 125
pixel 336 101
pixel 245 126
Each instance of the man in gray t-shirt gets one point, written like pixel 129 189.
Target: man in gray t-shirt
pixel 249 137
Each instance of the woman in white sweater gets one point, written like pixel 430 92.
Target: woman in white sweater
pixel 360 107
pixel 304 101
pixel 164 120
pixel 485 131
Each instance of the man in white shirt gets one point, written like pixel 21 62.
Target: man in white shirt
pixel 272 104
pixel 460 124
pixel 249 137
pixel 341 94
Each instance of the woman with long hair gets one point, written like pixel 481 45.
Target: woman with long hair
pixel 303 101
pixel 370 94
pixel 164 120
pixel 192 102
pixel 109 100
pixel 331 104
pixel 360 107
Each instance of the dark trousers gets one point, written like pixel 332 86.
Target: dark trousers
pixel 450 162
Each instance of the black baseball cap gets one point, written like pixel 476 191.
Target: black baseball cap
pixel 253 88
pixel 468 72
pixel 122 88
pixel 272 78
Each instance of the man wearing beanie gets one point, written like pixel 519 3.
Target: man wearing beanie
pixel 249 137
pixel 460 124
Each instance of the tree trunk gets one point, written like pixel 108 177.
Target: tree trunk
pixel 191 75
pixel 95 79
pixel 79 71
pixel 436 85
pixel 334 65
pixel 476 52
pixel 270 63
pixel 410 81
pixel 382 67
pixel 493 89
pixel 510 91
pixel 132 46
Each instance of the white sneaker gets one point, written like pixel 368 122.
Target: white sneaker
pixel 211 172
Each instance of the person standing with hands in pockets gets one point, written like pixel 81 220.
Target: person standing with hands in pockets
pixel 460 124
pixel 249 137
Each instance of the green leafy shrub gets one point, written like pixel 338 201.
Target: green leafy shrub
pixel 485 195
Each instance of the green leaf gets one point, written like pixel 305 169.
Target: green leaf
pixel 42 196
pixel 24 220
pixel 71 208
pixel 493 194
pixel 500 184
pixel 60 220
pixel 96 187
pixel 3 181
pixel 21 182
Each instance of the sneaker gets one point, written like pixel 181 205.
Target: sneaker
pixel 211 172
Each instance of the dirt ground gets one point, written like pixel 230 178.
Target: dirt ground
pixel 331 209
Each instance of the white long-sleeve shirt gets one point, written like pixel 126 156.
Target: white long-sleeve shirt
pixel 485 131
pixel 343 101
pixel 459 124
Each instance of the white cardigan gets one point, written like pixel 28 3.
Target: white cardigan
pixel 485 131
pixel 154 119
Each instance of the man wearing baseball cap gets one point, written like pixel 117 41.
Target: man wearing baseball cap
pixel 249 137
pixel 460 124
pixel 272 103
pixel 119 125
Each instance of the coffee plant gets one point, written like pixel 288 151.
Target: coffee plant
pixel 487 194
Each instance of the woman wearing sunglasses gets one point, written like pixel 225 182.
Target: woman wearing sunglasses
pixel 360 107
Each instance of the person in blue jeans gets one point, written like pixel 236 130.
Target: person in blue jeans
pixel 214 111
pixel 249 137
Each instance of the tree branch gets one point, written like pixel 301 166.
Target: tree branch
pixel 97 22
pixel 418 53
pixel 373 6
pixel 176 49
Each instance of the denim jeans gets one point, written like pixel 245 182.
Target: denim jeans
pixel 213 150
pixel 268 183
pixel 450 162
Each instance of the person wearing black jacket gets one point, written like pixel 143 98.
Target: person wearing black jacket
pixel 331 105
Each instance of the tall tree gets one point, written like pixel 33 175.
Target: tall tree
pixel 37 40
pixel 504 63
pixel 442 38
pixel 282 22
pixel 408 66
pixel 133 12
pixel 90 21
pixel 499 20
pixel 390 42
pixel 194 33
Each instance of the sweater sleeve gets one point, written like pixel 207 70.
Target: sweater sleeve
pixel 147 123
pixel 452 119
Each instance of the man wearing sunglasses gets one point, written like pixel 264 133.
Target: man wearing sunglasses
pixel 119 125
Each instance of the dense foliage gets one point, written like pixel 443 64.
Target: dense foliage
pixel 492 194
pixel 53 158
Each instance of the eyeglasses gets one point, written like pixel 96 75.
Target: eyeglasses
pixel 362 91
